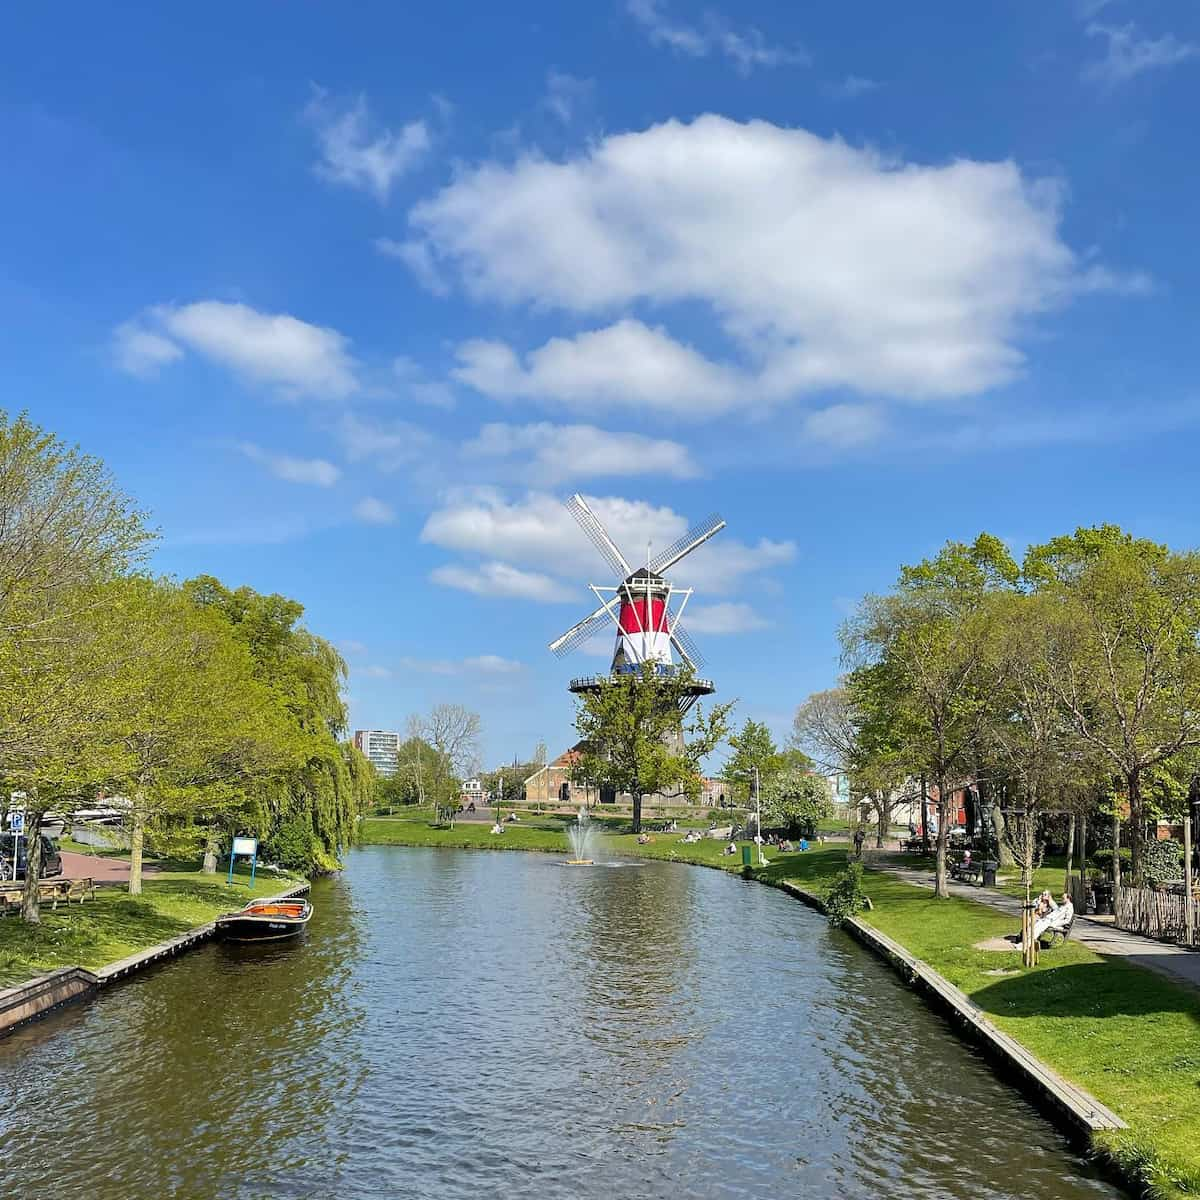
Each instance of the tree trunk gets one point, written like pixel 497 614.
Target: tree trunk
pixel 136 838
pixel 1027 845
pixel 637 812
pixel 881 829
pixel 1070 852
pixel 1116 868
pixel 1137 833
pixel 1004 854
pixel 33 867
pixel 210 853
pixel 941 885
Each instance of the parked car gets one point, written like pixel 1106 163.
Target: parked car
pixel 51 859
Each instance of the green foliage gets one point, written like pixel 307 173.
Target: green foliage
pixel 797 800
pixel 1163 861
pixel 634 740
pixel 753 747
pixel 846 896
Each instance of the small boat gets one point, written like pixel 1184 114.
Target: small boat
pixel 265 921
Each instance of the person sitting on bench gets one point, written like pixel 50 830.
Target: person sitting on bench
pixel 1058 918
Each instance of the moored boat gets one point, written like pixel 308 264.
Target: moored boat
pixel 264 921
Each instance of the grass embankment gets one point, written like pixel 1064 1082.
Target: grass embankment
pixel 116 924
pixel 1127 1035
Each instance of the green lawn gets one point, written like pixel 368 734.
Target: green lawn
pixel 116 924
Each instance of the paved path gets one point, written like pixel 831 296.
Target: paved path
pixel 1177 963
pixel 96 868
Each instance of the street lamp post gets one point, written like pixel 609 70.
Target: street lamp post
pixel 762 862
pixel 1189 916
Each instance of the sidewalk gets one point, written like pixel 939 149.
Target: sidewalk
pixel 1175 962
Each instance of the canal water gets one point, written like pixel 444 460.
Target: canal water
pixel 466 1025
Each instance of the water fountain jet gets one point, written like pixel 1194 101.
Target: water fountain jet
pixel 580 837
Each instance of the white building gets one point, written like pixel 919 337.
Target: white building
pixel 381 746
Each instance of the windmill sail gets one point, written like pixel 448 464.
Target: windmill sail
pixel 580 633
pixel 682 640
pixel 590 524
pixel 696 536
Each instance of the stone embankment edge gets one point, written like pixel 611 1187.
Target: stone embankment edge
pixel 1074 1107
pixel 36 997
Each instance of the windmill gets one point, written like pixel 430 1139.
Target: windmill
pixel 645 608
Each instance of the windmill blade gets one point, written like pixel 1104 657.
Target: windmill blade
pixel 696 536
pixel 682 641
pixel 579 633
pixel 590 524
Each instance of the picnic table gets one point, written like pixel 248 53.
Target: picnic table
pixel 49 890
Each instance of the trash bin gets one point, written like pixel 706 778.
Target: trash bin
pixel 746 852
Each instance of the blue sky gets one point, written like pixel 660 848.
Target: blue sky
pixel 352 299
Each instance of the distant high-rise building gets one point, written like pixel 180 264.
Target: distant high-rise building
pixel 381 746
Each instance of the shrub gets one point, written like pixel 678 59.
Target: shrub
pixel 1103 859
pixel 846 897
pixel 1162 862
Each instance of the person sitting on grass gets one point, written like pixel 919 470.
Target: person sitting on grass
pixel 1058 918
pixel 497 828
pixel 730 849
pixel 786 847
pixel 804 843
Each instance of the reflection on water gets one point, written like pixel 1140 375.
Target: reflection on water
pixel 470 1025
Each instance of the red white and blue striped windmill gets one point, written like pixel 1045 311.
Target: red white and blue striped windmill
pixel 645 607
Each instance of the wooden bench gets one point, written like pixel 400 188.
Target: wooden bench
pixel 965 872
pixel 52 890
pixel 1055 937
pixel 916 844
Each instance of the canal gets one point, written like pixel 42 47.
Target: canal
pixel 464 1024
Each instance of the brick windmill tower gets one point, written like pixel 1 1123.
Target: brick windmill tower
pixel 643 606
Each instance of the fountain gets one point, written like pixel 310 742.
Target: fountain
pixel 580 837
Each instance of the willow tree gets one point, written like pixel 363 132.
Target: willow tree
pixel 185 710
pixel 634 739
pixel 920 655
pixel 306 811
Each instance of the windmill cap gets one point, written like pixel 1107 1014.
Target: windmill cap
pixel 644 576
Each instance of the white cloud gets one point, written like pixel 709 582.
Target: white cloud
pixel 501 579
pixel 389 445
pixel 374 512
pixel 845 425
pixel 492 664
pixel 537 532
pixel 628 364
pixel 747 50
pixel 852 86
pixel 415 255
pixel 552 453
pixel 481 664
pixel 565 94
pixel 826 265
pixel 271 348
pixel 314 471
pixel 355 154
pixel 142 352
pixel 726 617
pixel 1129 53
pixel 419 387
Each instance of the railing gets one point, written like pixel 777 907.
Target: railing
pixel 1158 915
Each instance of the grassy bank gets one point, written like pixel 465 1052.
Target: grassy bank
pixel 116 924
pixel 1127 1035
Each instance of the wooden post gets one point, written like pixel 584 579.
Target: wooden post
pixel 1189 916
pixel 1029 947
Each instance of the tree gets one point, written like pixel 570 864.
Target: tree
pixel 922 655
pixel 513 779
pixel 852 735
pixel 753 747
pixel 453 732
pixel 797 799
pixel 307 809
pixel 188 716
pixel 634 740
pixel 1126 667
